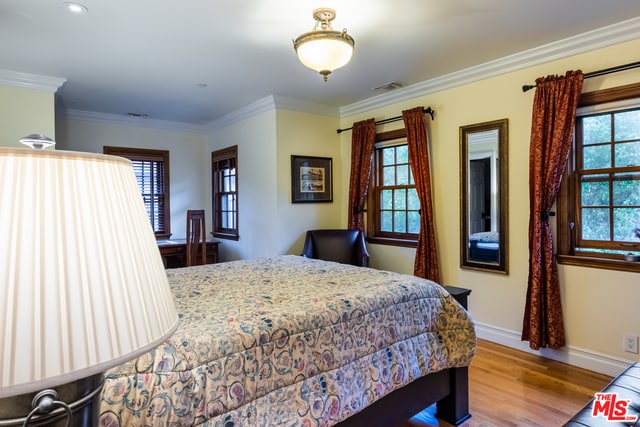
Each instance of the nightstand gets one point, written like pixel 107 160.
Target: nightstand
pixel 459 294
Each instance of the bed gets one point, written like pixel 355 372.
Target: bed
pixel 295 341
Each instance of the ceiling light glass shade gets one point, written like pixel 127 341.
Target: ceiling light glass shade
pixel 324 49
pixel 325 54
pixel 82 284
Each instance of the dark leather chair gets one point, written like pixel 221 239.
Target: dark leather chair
pixel 343 246
pixel 196 238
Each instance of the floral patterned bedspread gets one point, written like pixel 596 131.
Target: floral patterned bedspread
pixel 287 341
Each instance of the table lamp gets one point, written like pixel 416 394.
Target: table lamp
pixel 82 283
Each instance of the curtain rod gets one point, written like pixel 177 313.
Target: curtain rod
pixel 598 73
pixel 427 110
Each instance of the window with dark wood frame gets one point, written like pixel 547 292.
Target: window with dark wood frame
pixel 224 168
pixel 151 168
pixel 393 207
pixel 599 200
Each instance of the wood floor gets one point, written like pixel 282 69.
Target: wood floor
pixel 508 387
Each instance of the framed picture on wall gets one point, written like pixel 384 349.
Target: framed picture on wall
pixel 311 179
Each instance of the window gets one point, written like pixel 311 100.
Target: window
pixel 224 167
pixel 599 201
pixel 393 206
pixel 151 168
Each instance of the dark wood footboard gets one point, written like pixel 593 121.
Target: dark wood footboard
pixel 448 388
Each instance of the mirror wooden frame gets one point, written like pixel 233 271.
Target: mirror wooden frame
pixel 481 252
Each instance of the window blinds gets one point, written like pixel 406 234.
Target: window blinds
pixel 149 174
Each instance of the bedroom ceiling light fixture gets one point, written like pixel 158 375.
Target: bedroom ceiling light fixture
pixel 324 49
pixel 83 286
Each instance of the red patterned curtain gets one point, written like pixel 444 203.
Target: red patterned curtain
pixel 554 112
pixel 426 263
pixel 363 139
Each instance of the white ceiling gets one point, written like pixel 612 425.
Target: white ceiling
pixel 150 56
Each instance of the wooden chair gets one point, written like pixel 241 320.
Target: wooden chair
pixel 196 238
pixel 344 246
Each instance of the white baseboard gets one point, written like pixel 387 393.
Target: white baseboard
pixel 575 356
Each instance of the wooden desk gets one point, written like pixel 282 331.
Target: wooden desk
pixel 174 252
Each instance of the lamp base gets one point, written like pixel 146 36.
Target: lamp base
pixel 82 400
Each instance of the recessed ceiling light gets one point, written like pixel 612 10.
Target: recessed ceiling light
pixel 202 85
pixel 76 8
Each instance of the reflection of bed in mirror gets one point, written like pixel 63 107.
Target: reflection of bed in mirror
pixel 484 247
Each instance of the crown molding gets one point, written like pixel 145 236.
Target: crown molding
pixel 261 106
pixel 268 103
pixel 30 81
pixel 603 37
pixel 272 103
pixel 116 119
pixel 283 103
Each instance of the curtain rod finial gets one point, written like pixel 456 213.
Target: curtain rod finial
pixel 430 112
pixel 526 88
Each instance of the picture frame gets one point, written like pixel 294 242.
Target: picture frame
pixel 311 179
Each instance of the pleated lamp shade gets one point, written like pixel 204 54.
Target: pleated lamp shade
pixel 82 284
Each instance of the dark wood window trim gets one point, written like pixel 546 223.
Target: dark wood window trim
pixel 373 200
pixel 566 204
pixel 222 160
pixel 159 212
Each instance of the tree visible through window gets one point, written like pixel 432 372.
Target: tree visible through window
pixel 224 165
pixel 599 203
pixel 151 168
pixel 393 204
pixel 609 177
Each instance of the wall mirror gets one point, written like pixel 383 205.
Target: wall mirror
pixel 483 196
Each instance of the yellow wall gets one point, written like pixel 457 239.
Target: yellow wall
pixel 256 141
pixel 188 159
pixel 269 224
pixel 306 135
pixel 23 112
pixel 600 305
